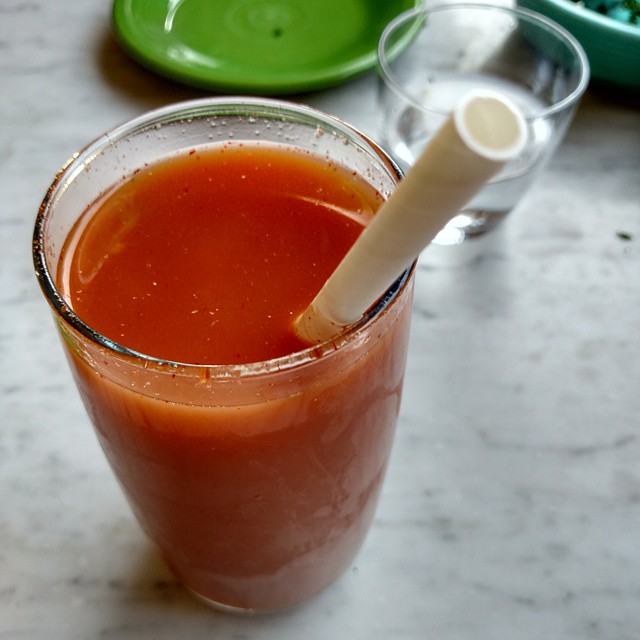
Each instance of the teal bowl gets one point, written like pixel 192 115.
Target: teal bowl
pixel 613 47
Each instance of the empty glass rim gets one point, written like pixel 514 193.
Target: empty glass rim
pixel 181 112
pixel 387 75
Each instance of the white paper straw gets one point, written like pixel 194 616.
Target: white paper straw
pixel 483 132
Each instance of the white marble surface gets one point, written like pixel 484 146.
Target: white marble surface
pixel 512 504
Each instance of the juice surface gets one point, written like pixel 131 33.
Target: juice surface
pixel 207 258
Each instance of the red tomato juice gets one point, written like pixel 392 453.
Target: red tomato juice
pixel 258 485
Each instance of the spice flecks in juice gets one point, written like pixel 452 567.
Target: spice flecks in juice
pixel 208 257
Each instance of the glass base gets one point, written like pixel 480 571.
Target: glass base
pixel 469 225
pixel 242 611
pixel 454 247
pixel 225 608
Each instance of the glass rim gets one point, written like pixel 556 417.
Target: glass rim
pixel 179 112
pixel 384 69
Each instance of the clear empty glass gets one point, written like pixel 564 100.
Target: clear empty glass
pixel 430 57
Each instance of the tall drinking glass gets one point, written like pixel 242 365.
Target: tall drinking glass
pixel 430 57
pixel 257 481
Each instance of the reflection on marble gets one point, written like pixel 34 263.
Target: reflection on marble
pixel 512 504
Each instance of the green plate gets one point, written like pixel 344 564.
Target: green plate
pixel 255 46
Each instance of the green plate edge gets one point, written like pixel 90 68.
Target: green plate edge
pixel 149 56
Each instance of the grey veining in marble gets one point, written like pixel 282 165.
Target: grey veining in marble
pixel 512 504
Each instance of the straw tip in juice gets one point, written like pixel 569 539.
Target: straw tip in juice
pixel 314 327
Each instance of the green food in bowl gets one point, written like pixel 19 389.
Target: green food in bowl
pixel 622 10
pixel 612 46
